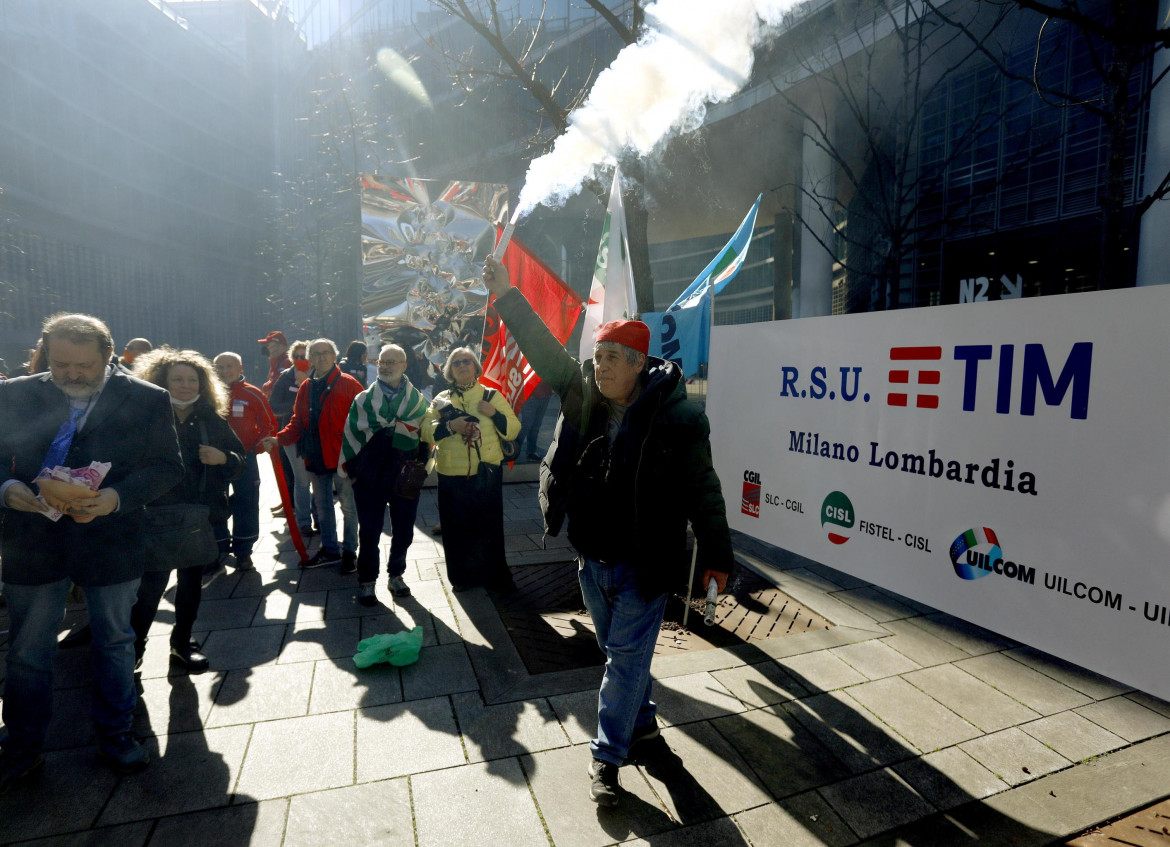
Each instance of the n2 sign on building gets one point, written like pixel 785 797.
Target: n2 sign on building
pixel 1007 462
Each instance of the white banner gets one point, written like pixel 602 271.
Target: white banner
pixel 1007 462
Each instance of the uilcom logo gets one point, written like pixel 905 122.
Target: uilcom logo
pixel 749 504
pixel 837 511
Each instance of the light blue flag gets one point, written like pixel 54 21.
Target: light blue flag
pixel 725 265
pixel 682 334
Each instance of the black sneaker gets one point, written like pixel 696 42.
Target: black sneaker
pixel 321 559
pixel 641 735
pixel 123 753
pixel 189 659
pixel 604 785
pixel 17 767
pixel 644 733
pixel 398 586
pixel 348 562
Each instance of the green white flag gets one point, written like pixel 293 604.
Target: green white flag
pixel 611 296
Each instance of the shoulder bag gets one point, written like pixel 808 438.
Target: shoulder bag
pixel 179 535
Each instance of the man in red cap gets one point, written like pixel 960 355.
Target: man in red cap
pixel 630 464
pixel 276 347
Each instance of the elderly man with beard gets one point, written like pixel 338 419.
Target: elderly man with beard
pixel 629 466
pixel 83 410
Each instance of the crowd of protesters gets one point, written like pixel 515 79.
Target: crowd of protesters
pixel 158 436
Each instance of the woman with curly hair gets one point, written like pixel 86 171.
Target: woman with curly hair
pixel 212 457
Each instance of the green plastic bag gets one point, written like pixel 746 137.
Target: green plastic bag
pixel 399 648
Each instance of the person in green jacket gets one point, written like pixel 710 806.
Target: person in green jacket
pixel 629 466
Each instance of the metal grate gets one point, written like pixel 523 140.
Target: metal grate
pixel 551 630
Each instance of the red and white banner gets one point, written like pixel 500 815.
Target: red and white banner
pixel 504 366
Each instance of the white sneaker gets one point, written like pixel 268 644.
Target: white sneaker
pixel 398 586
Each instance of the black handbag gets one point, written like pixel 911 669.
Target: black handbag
pixel 487 476
pixel 179 535
pixel 409 481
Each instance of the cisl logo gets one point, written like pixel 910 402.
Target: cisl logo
pixel 916 375
pixel 837 510
pixel 750 503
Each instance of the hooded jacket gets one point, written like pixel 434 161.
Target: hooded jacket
pixel 630 500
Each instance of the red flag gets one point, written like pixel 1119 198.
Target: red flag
pixel 504 366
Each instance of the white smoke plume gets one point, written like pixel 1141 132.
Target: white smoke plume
pixel 692 53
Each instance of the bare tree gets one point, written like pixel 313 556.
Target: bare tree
pixel 314 231
pixel 522 52
pixel 863 107
pixel 1121 38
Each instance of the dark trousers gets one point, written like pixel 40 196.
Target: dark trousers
pixel 473 531
pixel 372 498
pixel 150 592
pixel 245 512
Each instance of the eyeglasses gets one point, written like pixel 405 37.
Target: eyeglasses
pixel 300 356
pixel 458 363
pixel 385 363
pixel 319 353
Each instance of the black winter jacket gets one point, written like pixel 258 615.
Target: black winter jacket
pixel 631 500
pixel 215 489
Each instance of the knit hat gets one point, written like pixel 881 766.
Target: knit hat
pixel 632 334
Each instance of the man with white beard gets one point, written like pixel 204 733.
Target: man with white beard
pixel 83 410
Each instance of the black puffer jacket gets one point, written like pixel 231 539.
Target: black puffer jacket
pixel 631 500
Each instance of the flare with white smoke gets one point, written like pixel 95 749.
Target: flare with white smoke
pixel 692 53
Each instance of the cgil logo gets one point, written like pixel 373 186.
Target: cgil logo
pixel 837 510
pixel 749 504
pixel 917 373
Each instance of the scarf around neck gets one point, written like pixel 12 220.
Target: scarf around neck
pixel 372 411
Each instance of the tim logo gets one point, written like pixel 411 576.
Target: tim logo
pixel 837 512
pixel 925 380
pixel 750 503
pixel 915 375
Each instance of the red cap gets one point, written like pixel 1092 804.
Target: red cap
pixel 275 335
pixel 632 334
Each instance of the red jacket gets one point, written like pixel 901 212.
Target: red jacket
pixel 275 368
pixel 250 417
pixel 333 414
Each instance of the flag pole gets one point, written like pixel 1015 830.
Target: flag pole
pixel 690 583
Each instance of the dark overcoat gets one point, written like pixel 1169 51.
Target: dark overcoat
pixel 132 427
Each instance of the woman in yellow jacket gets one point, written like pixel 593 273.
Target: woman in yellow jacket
pixel 466 424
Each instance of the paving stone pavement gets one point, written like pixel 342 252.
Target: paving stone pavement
pixel 900 725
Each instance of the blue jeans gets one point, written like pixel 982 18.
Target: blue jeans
pixel 327 518
pixel 299 484
pixel 245 512
pixel 627 627
pixel 36 612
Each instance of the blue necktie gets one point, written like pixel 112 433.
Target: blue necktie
pixel 61 441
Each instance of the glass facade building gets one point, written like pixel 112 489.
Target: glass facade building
pixel 134 152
